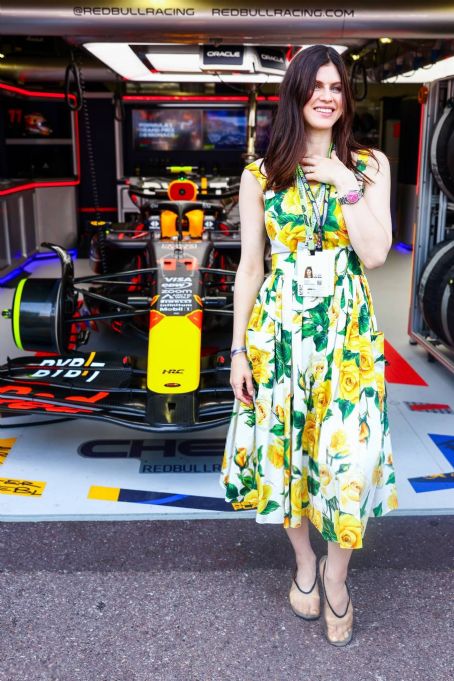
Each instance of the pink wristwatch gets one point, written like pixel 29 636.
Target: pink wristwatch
pixel 353 196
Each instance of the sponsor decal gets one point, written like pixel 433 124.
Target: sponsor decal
pixel 174 500
pixel 22 488
pixel 6 445
pixel 161 456
pixel 433 407
pixel 13 393
pixel 437 481
pixel 69 368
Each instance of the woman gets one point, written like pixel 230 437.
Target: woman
pixel 309 436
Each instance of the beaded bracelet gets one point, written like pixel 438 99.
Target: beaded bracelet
pixel 236 351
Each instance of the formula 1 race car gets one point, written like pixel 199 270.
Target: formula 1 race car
pixel 160 304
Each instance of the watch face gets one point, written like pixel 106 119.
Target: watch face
pixel 353 196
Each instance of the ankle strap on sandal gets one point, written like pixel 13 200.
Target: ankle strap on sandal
pixel 298 587
pixel 326 595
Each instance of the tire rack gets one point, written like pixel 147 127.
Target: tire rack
pixel 430 225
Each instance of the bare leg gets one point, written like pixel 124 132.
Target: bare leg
pixel 305 557
pixel 335 576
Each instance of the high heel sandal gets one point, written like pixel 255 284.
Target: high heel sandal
pixel 298 613
pixel 348 638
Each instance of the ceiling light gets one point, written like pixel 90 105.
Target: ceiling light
pixel 441 69
pixel 121 59
pixel 385 41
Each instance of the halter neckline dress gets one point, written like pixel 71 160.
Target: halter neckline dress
pixel 316 441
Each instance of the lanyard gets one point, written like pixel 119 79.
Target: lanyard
pixel 314 232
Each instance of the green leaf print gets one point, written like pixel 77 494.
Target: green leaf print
pixel 328 532
pixel 231 491
pixel 353 264
pixel 250 421
pixel 278 429
pixel 299 439
pixel 346 407
pixel 391 480
pixel 378 510
pixel 342 303
pixel 363 319
pixel 343 467
pixel 313 466
pixel 299 419
pixel 248 482
pixel 363 507
pixel 271 506
pixel 312 485
pixel 260 453
pixel 296 471
pixel 350 354
pixel 361 166
pixel 370 392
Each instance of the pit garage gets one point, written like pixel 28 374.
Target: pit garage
pixel 123 135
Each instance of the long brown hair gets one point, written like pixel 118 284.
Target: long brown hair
pixel 288 136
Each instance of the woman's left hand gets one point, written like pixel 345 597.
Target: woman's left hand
pixel 322 169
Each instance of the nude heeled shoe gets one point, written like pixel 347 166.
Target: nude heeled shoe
pixel 347 616
pixel 297 600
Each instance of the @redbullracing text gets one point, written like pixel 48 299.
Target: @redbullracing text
pixel 230 12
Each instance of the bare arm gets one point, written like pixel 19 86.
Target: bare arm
pixel 368 221
pixel 250 273
pixel 249 278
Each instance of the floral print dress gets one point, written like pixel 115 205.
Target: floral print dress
pixel 316 441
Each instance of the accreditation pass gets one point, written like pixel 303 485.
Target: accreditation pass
pixel 315 273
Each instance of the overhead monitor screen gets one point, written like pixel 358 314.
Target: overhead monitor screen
pixel 263 129
pixel 166 129
pixel 224 129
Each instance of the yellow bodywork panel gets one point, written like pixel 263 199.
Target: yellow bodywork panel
pixel 174 347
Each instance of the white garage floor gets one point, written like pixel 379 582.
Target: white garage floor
pixel 87 470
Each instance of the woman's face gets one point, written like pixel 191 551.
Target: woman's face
pixel 327 95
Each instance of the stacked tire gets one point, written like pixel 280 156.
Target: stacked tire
pixel 436 292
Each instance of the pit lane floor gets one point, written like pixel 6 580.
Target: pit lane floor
pixel 87 470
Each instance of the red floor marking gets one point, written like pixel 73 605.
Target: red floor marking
pixel 399 370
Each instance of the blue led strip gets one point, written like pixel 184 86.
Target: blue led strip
pixel 33 258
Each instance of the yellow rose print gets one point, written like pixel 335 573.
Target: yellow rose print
pixel 392 499
pixel 276 453
pixel 348 529
pixel 339 443
pixel 316 517
pixel 352 333
pixel 271 229
pixel 241 457
pixel 252 497
pixel 290 235
pixel 256 315
pixel 259 359
pixel 352 487
pixel 322 399
pixel 364 432
pixel 349 381
pixel 366 362
pixel 377 476
pixel 310 434
pixel 325 475
pixel 262 410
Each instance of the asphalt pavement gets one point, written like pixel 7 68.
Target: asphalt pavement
pixel 207 600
